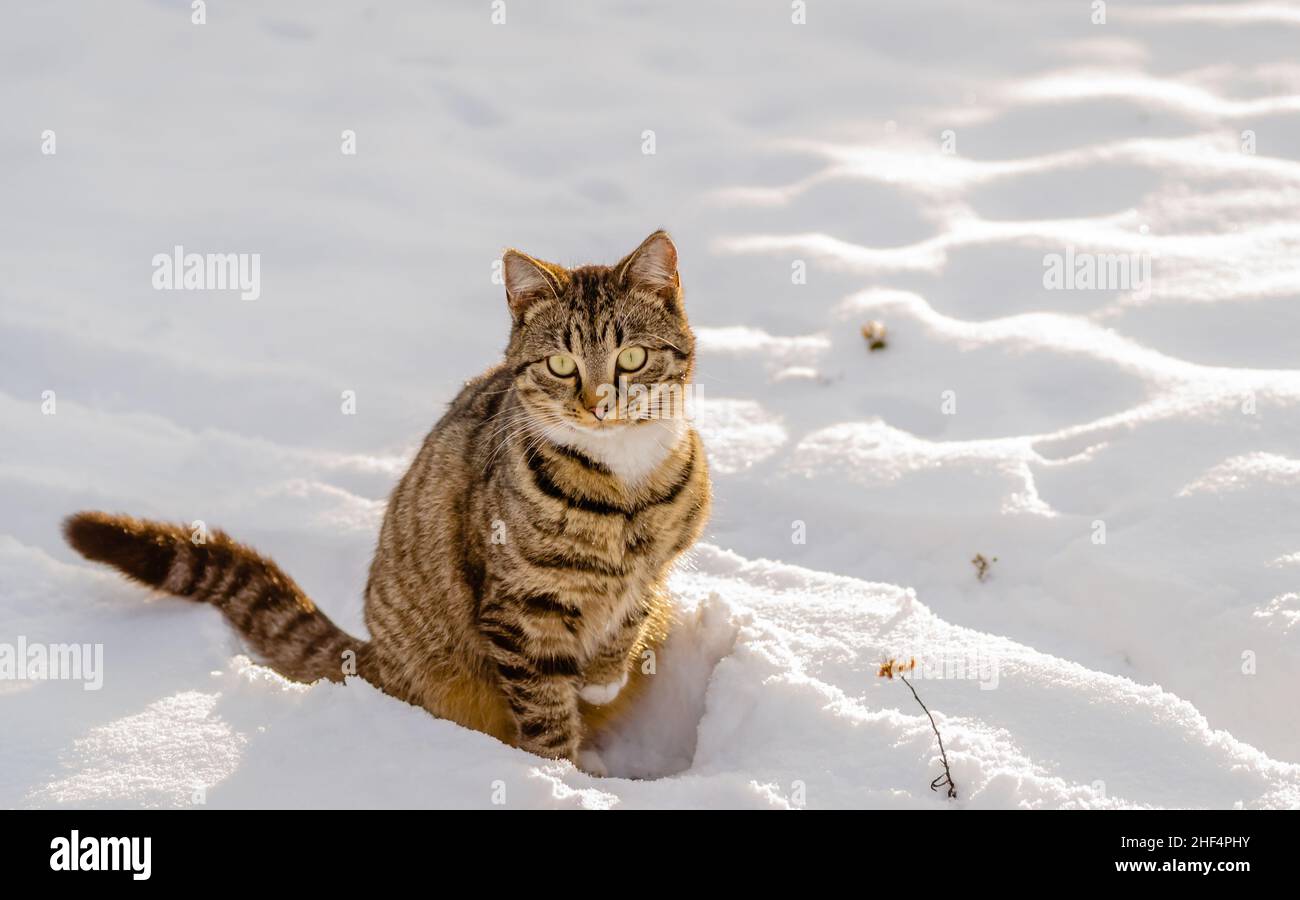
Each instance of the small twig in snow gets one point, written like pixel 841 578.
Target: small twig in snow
pixel 982 565
pixel 889 670
pixel 946 777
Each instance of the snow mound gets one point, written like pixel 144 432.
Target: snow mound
pixel 767 695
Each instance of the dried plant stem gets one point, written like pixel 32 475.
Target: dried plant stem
pixel 946 778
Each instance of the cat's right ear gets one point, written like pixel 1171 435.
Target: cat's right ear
pixel 528 280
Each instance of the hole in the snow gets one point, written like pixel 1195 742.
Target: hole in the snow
pixel 657 735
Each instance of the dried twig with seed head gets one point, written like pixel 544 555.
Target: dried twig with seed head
pixel 889 669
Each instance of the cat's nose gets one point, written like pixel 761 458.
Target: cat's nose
pixel 598 411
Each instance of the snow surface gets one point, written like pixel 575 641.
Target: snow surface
pixel 1095 674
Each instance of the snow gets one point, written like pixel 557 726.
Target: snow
pixel 1154 669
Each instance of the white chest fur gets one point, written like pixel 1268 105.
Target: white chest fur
pixel 631 453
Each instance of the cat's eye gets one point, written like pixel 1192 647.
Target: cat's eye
pixel 561 365
pixel 632 359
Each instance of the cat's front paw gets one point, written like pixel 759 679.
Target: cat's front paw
pixel 589 761
pixel 600 694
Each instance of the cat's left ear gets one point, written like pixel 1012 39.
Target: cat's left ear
pixel 653 267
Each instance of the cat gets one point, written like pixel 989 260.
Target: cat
pixel 518 587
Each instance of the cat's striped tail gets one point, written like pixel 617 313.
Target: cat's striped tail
pixel 264 605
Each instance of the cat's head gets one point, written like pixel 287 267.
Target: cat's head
pixel 600 349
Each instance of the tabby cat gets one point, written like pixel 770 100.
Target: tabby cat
pixel 519 581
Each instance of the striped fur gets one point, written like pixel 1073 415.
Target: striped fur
pixel 519 579
pixel 261 602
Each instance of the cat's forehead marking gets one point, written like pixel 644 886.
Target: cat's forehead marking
pixel 593 311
